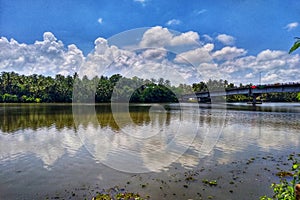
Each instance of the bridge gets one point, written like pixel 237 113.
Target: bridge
pixel 252 91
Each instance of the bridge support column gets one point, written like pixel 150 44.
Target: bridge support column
pixel 204 100
pixel 254 101
pixel 254 96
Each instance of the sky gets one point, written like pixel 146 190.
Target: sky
pixel 237 40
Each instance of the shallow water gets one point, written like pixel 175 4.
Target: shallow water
pixel 65 151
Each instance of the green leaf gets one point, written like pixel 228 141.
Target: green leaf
pixel 295 166
pixel 295 46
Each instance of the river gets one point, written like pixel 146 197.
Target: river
pixel 167 151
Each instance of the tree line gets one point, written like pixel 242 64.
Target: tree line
pixel 59 89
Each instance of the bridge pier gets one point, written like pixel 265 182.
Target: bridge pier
pixel 204 100
pixel 254 101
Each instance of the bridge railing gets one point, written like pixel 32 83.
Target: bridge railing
pixel 250 89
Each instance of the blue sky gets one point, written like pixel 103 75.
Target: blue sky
pixel 252 25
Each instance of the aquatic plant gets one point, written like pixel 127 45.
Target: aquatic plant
pixel 285 189
pixel 117 194
pixel 210 183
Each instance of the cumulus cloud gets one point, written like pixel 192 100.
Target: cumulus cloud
pixel 265 60
pixel 156 37
pixel 185 39
pixel 196 56
pixel 225 39
pixel 268 62
pixel 173 22
pixel 291 26
pixel 156 54
pixel 162 37
pixel 270 55
pixel 48 56
pixel 229 53
pixel 102 57
pixel 147 63
pixel 73 58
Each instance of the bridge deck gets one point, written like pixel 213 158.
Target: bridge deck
pixel 251 91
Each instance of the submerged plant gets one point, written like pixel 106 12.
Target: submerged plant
pixel 285 189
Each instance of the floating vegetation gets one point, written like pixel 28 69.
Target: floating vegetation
pixel 284 174
pixel 211 183
pixel 285 189
pixel 117 194
pixel 190 178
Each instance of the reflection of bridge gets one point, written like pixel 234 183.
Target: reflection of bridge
pixel 251 91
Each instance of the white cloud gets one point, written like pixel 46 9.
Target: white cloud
pixel 162 37
pixel 50 56
pixel 100 20
pixel 291 26
pixel 196 56
pixel 250 75
pixel 199 12
pixel 73 58
pixel 43 57
pixel 33 143
pixel 269 63
pixel 143 2
pixel 173 22
pixel 156 37
pixel 225 39
pixel 270 55
pixel 185 38
pixel 156 54
pixel 147 64
pixel 273 78
pixel 229 53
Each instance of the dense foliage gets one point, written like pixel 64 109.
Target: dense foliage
pixel 39 88
pixel 35 88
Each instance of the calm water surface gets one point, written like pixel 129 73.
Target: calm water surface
pixel 60 151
